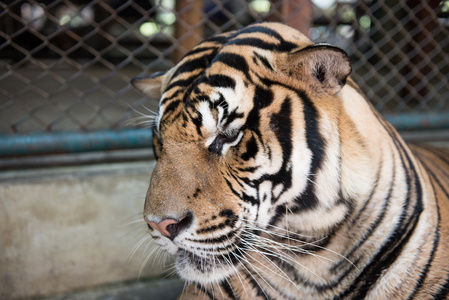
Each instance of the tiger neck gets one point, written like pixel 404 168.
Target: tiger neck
pixel 383 190
pixel 381 180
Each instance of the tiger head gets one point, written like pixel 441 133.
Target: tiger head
pixel 249 139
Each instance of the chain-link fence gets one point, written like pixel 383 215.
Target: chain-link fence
pixel 65 66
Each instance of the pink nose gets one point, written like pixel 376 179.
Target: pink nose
pixel 167 227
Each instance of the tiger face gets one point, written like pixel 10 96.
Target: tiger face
pixel 237 145
pixel 275 178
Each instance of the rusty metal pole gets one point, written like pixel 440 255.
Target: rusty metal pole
pixel 422 23
pixel 188 28
pixel 295 13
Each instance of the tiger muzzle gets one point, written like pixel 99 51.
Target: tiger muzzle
pixel 180 190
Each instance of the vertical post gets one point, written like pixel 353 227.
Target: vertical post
pixel 421 25
pixel 188 28
pixel 11 26
pixel 295 13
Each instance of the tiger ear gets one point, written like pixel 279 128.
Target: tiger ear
pixel 322 66
pixel 153 85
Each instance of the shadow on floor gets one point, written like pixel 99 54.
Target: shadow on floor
pixel 163 289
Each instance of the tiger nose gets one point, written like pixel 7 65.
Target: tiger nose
pixel 171 227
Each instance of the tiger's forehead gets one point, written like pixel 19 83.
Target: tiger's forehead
pixel 207 110
pixel 212 88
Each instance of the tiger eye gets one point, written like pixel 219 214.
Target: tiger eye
pixel 220 140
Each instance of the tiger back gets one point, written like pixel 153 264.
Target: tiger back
pixel 277 179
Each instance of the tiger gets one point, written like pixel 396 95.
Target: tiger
pixel 277 179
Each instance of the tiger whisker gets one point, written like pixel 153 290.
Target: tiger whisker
pixel 186 283
pixel 308 178
pixel 151 111
pixel 229 263
pixel 230 285
pixel 216 283
pixel 223 104
pixel 130 234
pixel 166 257
pixel 140 113
pixel 147 258
pixel 133 222
pixel 141 121
pixel 257 269
pixel 252 228
pixel 137 246
pixel 150 243
pixel 239 276
pixel 282 236
pixel 297 248
pixel 251 273
pixel 152 118
pixel 170 271
pixel 144 117
pixel 257 227
pixel 267 244
pixel 137 122
pixel 131 219
pixel 264 254
pixel 213 288
pixel 284 245
pixel 285 258
pixel 292 249
pixel 250 245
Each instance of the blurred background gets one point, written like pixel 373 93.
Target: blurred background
pixel 74 170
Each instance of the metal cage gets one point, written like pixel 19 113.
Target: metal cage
pixel 65 66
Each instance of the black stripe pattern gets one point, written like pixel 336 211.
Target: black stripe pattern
pixel 259 218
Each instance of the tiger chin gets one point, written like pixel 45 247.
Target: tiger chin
pixel 277 179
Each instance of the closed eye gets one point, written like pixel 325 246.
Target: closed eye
pixel 224 141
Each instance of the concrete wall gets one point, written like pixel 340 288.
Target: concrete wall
pixel 64 229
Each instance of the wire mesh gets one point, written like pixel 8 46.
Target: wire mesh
pixel 66 65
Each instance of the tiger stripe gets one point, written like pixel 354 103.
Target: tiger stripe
pixel 279 180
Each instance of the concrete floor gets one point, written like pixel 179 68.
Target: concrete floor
pixel 161 289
